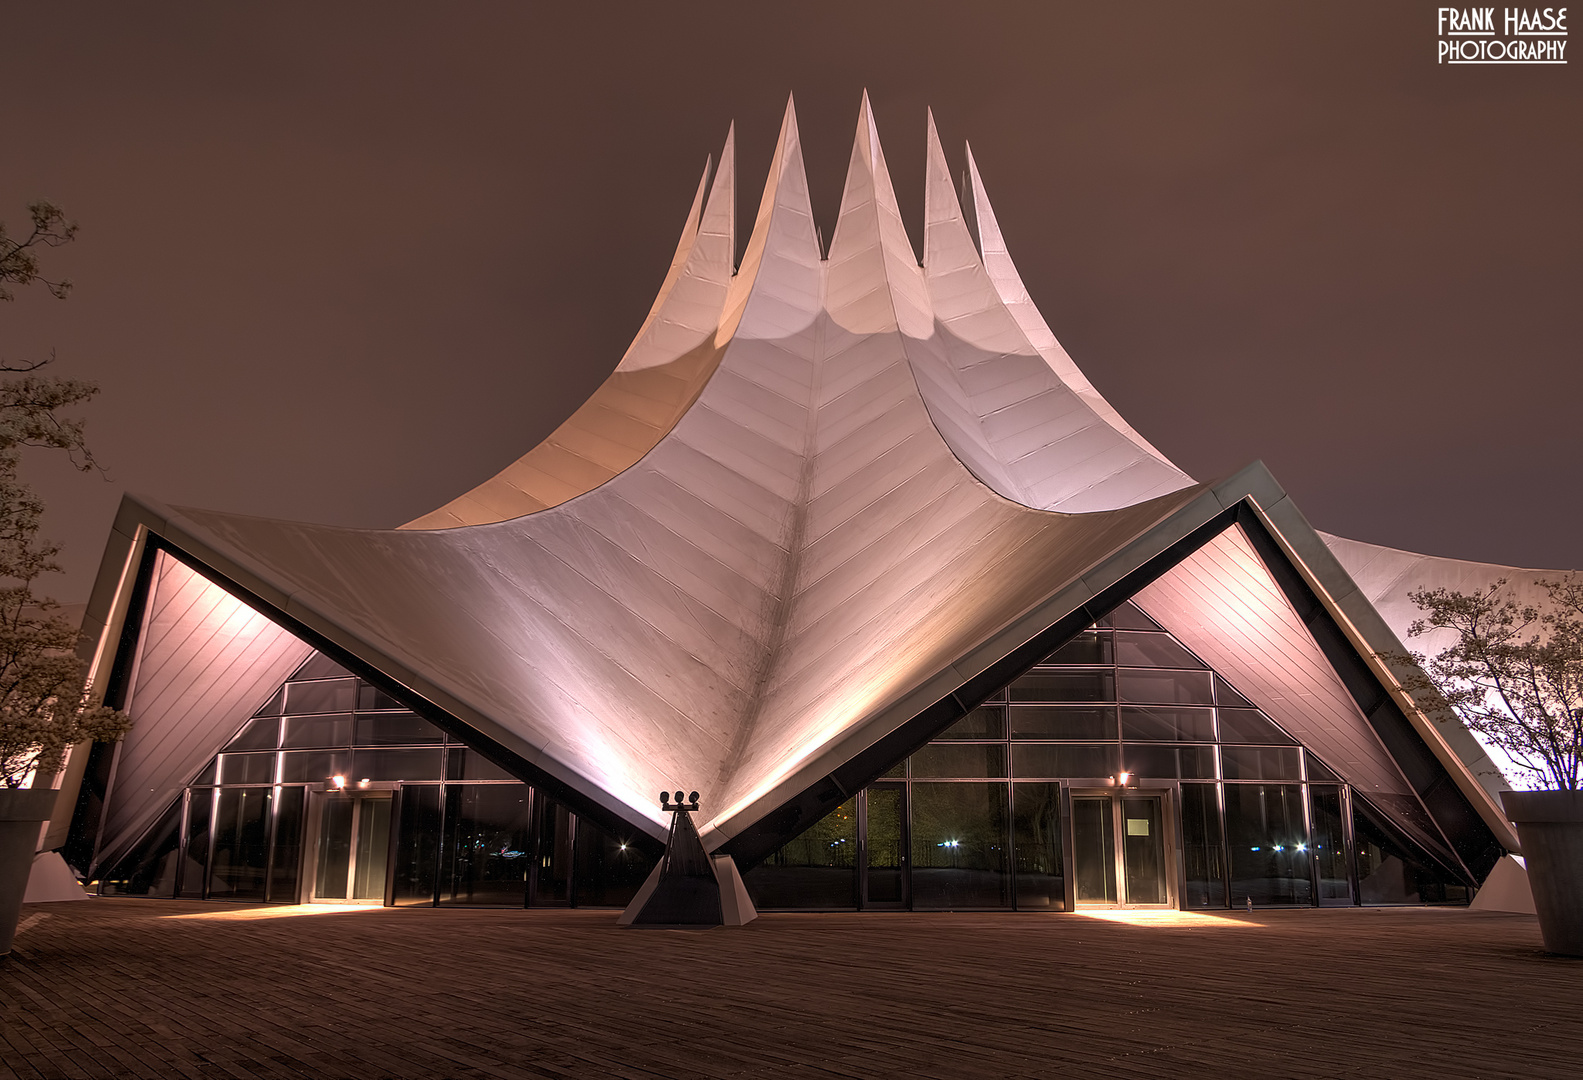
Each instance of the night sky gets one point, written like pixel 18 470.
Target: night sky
pixel 339 263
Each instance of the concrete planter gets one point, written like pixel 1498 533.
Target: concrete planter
pixel 1550 827
pixel 22 813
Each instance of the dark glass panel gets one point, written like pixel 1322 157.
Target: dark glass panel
pixel 1094 849
pixel 1146 686
pixel 1167 724
pixel 241 844
pixel 1128 616
pixel 1137 649
pixel 552 872
pixel 984 722
pixel 331 730
pixel 959 834
pixel 373 849
pixel 1089 647
pixel 897 771
pixel 1036 844
pixel 1041 760
pixel 1393 872
pixel 1065 686
pixel 396 729
pixel 885 843
pixel 962 760
pixel 1203 857
pixel 372 698
pixel 275 705
pixel 200 808
pixel 462 764
pixel 488 844
pixel 817 869
pixel 335 848
pixel 1261 762
pixel 417 847
pixel 329 695
pixel 397 765
pixel 247 768
pixel 257 734
pixel 285 868
pixel 208 773
pixel 610 869
pixel 1226 696
pixel 1169 762
pixel 315 766
pixel 149 869
pixel 1269 844
pixel 1329 849
pixel 1064 722
pixel 1143 849
pixel 1318 770
pixel 319 666
pixel 1250 726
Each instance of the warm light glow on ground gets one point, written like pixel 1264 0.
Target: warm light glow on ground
pixel 276 912
pixel 1148 917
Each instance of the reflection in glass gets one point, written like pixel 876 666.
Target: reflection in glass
pixel 397 764
pixel 817 869
pixel 1055 761
pixel 1268 842
pixel 247 768
pixel 241 843
pixel 1169 762
pixel 1143 849
pixel 610 869
pixel 372 698
pixel 331 695
pixel 1168 724
pixel 314 766
pixel 1065 686
pixel 396 729
pixel 984 722
pixel 1094 849
pixel 552 877
pixel 1203 859
pixel 150 868
pixel 373 849
pixel 1148 686
pixel 959 834
pixel 1250 726
pixel 200 806
pixel 287 862
pixel 488 844
pixel 1036 842
pixel 964 760
pixel 1261 762
pixel 1329 844
pixel 258 734
pixel 417 847
pixel 1152 650
pixel 335 848
pixel 1063 722
pixel 885 845
pixel 1393 872
pixel 330 730
pixel 462 764
pixel 1086 648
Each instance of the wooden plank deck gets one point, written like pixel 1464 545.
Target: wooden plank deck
pixel 134 988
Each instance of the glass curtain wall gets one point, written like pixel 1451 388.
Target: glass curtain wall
pixel 394 808
pixel 1011 807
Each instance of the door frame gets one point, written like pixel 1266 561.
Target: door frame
pixel 318 796
pixel 1170 852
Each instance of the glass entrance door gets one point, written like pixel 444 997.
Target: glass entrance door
pixel 1118 850
pixel 353 849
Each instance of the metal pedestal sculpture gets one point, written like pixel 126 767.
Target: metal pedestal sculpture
pixel 689 889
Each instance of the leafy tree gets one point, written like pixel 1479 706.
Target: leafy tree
pixel 44 706
pixel 1515 673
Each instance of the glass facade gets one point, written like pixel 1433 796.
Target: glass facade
pixel 1016 806
pixel 335 792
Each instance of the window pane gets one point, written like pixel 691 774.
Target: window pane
pixel 959 834
pixel 1261 762
pixel 1169 762
pixel 1065 686
pixel 371 698
pixel 1329 845
pixel 1392 872
pixel 303 731
pixel 1089 647
pixel 1225 695
pixel 964 760
pixel 1269 845
pixel 1152 650
pixel 985 722
pixel 259 734
pixel 1055 762
pixel 1128 616
pixel 1168 725
pixel 817 869
pixel 1203 859
pixel 610 869
pixel 247 768
pixel 417 850
pixel 488 844
pixel 319 666
pixel 1165 687
pixel 1072 722
pixel 331 695
pixel 274 705
pixel 150 868
pixel 200 807
pixel 288 845
pixel 241 844
pixel 396 729
pixel 396 765
pixel 1249 726
pixel 1036 840
pixel 1318 770
pixel 314 766
pixel 885 844
pixel 461 764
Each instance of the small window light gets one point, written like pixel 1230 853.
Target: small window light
pixel 338 781
pixel 1123 779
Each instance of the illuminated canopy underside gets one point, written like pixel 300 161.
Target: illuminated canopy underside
pixel 818 494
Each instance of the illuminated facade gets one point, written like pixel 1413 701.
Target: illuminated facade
pixel 847 544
